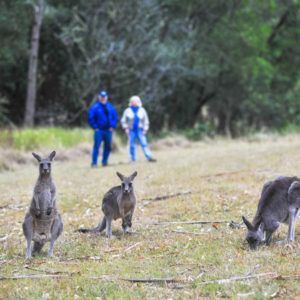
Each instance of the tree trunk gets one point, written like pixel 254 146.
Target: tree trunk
pixel 33 64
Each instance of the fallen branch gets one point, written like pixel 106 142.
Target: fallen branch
pixel 270 275
pixel 35 276
pixel 231 173
pixel 189 232
pixel 152 280
pixel 191 222
pixel 52 272
pixel 82 258
pixel 225 173
pixel 165 197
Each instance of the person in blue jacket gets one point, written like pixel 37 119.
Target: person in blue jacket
pixel 103 118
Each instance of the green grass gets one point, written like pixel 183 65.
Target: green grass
pixel 29 139
pixel 225 179
pixel 290 129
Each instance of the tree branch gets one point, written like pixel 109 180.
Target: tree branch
pixel 276 29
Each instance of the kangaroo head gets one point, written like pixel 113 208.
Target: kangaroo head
pixel 45 163
pixel 254 235
pixel 127 185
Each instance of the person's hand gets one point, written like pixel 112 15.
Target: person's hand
pixel 127 131
pixel 110 129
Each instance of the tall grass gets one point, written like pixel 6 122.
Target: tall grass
pixel 290 129
pixel 29 139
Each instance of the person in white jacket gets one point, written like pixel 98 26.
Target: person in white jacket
pixel 135 122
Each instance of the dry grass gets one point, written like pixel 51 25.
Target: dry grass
pixel 225 179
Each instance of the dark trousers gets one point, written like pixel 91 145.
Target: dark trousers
pixel 106 137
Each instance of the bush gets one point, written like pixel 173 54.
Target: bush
pixel 199 131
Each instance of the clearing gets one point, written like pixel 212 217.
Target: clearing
pixel 214 181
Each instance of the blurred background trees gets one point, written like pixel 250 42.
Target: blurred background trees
pixel 224 66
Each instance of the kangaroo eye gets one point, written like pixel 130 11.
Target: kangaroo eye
pixel 130 184
pixel 49 164
pixel 123 185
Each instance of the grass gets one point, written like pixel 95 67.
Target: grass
pixel 225 180
pixel 30 139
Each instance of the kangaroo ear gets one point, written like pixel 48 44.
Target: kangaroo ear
pixel 248 224
pixel 133 175
pixel 36 156
pixel 52 154
pixel 120 176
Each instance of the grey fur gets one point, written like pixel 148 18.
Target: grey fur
pixel 279 203
pixel 118 202
pixel 42 222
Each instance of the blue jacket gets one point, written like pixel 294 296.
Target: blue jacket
pixel 102 116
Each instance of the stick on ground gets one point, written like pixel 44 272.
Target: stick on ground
pixel 152 280
pixel 165 197
pixel 191 222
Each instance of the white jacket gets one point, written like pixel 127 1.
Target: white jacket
pixel 128 116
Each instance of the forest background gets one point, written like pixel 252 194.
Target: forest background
pixel 202 67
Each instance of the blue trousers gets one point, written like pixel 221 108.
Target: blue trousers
pixel 138 135
pixel 106 137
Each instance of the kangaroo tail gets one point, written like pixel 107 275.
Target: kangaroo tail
pixel 99 228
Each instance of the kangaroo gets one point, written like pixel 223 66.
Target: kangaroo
pixel 42 222
pixel 118 202
pixel 279 203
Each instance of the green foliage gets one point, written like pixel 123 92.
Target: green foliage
pixel 237 61
pixel 199 131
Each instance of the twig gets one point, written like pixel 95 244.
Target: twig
pixel 189 232
pixel 132 246
pixel 35 276
pixel 83 258
pixel 225 173
pixel 191 222
pixel 287 277
pixel 231 173
pixel 51 272
pixel 270 275
pixel 164 197
pixel 152 280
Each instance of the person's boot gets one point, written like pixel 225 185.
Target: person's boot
pixel 152 159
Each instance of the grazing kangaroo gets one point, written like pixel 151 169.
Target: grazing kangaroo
pixel 42 222
pixel 279 203
pixel 118 202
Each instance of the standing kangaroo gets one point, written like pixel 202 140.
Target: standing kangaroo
pixel 279 203
pixel 42 222
pixel 118 202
